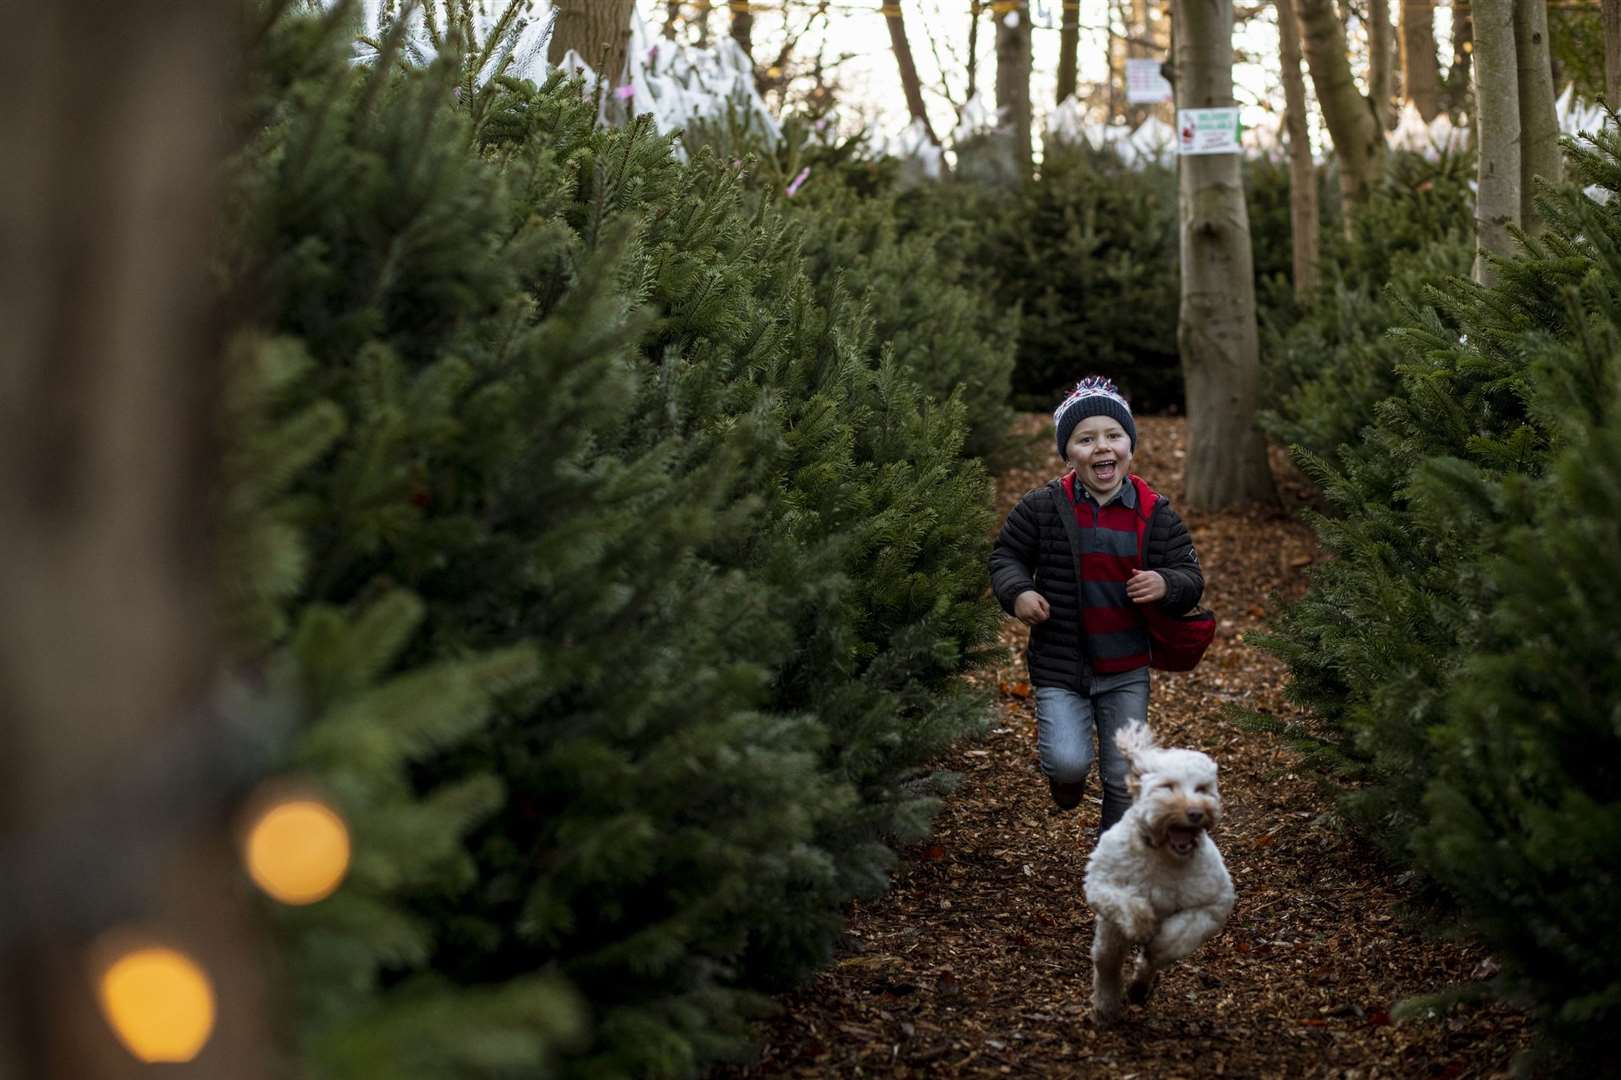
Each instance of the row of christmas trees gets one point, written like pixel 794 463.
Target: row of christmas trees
pixel 1462 648
pixel 618 580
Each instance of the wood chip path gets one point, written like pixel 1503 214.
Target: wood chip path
pixel 975 963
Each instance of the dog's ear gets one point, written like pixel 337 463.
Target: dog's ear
pixel 1134 741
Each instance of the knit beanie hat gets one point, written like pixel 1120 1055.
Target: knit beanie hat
pixel 1092 396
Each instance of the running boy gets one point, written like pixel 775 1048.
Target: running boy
pixel 1089 648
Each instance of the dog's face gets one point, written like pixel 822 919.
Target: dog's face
pixel 1175 797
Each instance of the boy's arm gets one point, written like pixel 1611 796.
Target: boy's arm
pixel 1013 556
pixel 1170 552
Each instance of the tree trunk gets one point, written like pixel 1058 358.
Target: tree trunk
pixel 112 142
pixel 1539 123
pixel 1358 137
pixel 672 15
pixel 1302 170
pixel 1497 103
pixel 910 84
pixel 1421 73
pixel 1612 53
pixel 1216 334
pixel 742 27
pixel 599 30
pixel 1463 43
pixel 1069 45
pixel 1381 64
pixel 1013 82
pixel 975 10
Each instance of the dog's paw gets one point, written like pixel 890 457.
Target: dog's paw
pixel 1137 921
pixel 1106 1014
pixel 1142 984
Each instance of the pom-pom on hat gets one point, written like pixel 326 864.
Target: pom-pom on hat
pixel 1092 396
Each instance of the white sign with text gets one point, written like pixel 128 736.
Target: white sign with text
pixel 1209 131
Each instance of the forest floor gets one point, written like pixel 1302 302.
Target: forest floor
pixel 976 962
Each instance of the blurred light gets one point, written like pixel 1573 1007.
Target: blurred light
pixel 297 850
pixel 158 1002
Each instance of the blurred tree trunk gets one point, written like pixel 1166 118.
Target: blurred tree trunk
pixel 1458 83
pixel 1421 72
pixel 1539 122
pixel 1069 46
pixel 1116 54
pixel 112 140
pixel 1497 103
pixel 1302 170
pixel 975 10
pixel 1382 63
pixel 1013 81
pixel 1612 53
pixel 910 84
pixel 672 15
pixel 742 27
pixel 1358 136
pixel 599 30
pixel 1611 22
pixel 1216 333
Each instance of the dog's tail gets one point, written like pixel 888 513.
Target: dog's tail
pixel 1135 740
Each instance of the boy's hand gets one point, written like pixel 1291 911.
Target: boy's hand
pixel 1146 586
pixel 1031 608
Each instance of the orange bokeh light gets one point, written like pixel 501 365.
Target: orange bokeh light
pixel 159 1003
pixel 298 850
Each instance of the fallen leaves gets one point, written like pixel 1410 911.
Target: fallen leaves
pixel 975 962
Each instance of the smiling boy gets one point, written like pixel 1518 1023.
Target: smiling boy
pixel 1078 587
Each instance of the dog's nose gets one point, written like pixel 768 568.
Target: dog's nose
pixel 1195 816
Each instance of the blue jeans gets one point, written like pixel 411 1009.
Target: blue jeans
pixel 1067 722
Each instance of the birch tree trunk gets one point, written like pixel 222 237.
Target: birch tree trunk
pixel 1358 137
pixel 1612 53
pixel 911 86
pixel 598 30
pixel 1302 170
pixel 1013 81
pixel 1539 123
pixel 111 143
pixel 1497 107
pixel 1216 334
pixel 1421 72
pixel 1069 47
pixel 1382 63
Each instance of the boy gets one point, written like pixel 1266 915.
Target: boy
pixel 1089 648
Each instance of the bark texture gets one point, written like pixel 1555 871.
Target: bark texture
pixel 1497 102
pixel 111 143
pixel 1421 71
pixel 911 86
pixel 599 30
pixel 1358 137
pixel 1539 123
pixel 1302 170
pixel 1013 81
pixel 1216 332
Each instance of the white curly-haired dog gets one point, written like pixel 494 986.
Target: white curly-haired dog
pixel 1155 878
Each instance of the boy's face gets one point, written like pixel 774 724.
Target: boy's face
pixel 1099 451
